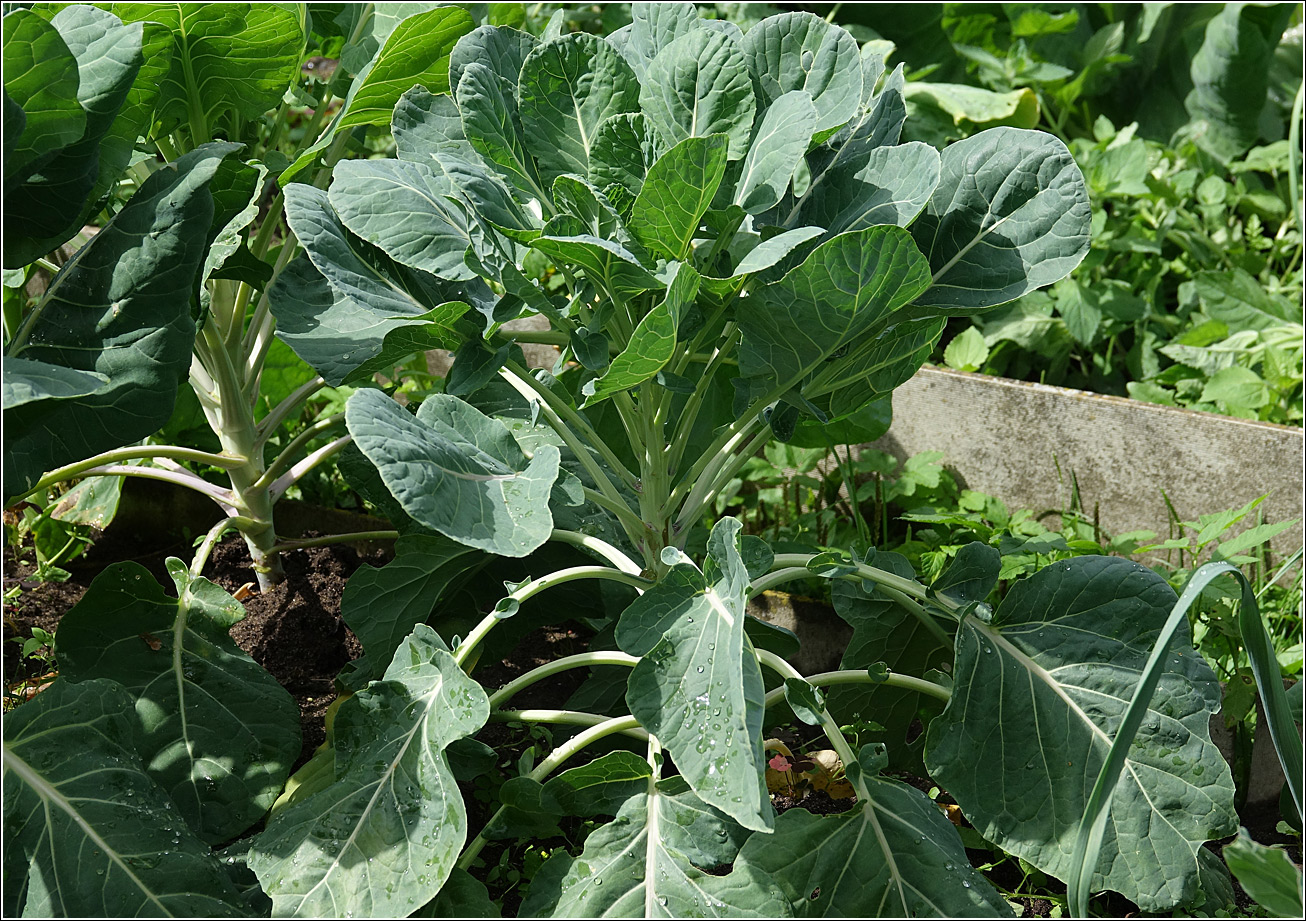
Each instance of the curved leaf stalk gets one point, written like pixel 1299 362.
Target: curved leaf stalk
pixel 348 537
pixel 150 452
pixel 893 680
pixel 555 758
pixel 907 592
pixel 828 724
pixel 563 419
pixel 283 459
pixel 508 606
pixel 210 541
pixel 279 486
pixel 1269 684
pixel 581 660
pixel 600 547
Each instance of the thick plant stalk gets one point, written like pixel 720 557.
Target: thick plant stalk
pixel 232 418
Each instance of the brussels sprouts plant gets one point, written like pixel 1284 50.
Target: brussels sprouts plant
pixel 729 245
pixel 173 289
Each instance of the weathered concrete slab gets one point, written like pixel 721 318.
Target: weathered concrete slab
pixel 1007 438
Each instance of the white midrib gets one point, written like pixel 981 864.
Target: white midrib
pixel 1043 675
pixel 381 784
pixel 947 266
pixel 50 794
pixel 178 640
pixel 651 904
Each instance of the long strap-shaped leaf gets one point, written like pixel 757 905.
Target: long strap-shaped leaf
pixel 1269 683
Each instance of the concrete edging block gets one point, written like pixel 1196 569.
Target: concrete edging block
pixel 1007 438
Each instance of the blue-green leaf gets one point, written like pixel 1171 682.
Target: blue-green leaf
pixel 653 342
pixel 801 51
pixel 1010 214
pixel 568 88
pixel 457 471
pixel 87 832
pixel 121 308
pixel 676 194
pixel 698 85
pixel 1056 668
pixel 218 733
pixel 845 291
pixel 776 151
pixel 384 836
pixel 698 687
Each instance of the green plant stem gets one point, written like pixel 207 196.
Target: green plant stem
pixel 533 588
pixel 598 730
pixel 348 537
pixel 288 405
pixel 599 547
pixel 279 486
pixel 906 592
pixel 231 416
pixel 520 378
pixel 711 484
pixel 689 415
pixel 694 485
pixel 262 325
pixel 776 577
pixel 211 539
pixel 565 718
pixel 283 458
pixel 828 724
pixel 893 680
pixel 631 522
pixel 225 499
pixel 1294 161
pixel 582 660
pixel 150 452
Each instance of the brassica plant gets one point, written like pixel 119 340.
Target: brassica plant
pixel 173 290
pixel 745 252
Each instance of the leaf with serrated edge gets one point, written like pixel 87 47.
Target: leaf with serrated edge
pixel 1043 688
pixel 41 78
pixel 218 733
pixel 501 49
pixel 87 832
pixel 1010 214
pixel 492 127
pixel 457 471
pixel 416 52
pixel 698 686
pixel 384 836
pixel 50 207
